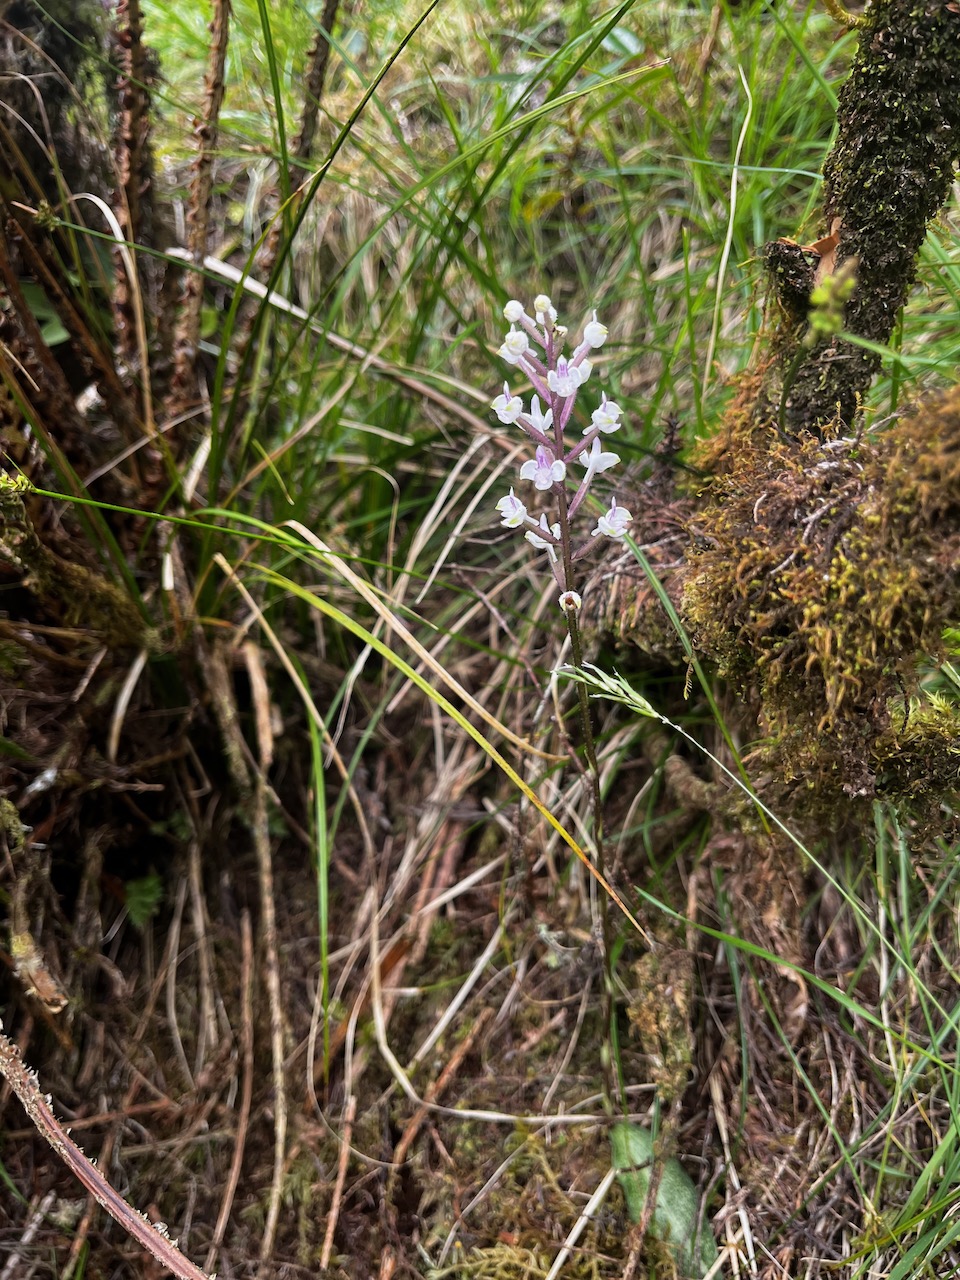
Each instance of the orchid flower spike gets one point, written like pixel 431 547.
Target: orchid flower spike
pixel 535 344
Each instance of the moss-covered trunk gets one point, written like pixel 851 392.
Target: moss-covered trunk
pixel 825 566
pixel 886 177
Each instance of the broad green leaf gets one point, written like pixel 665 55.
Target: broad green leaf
pixel 675 1218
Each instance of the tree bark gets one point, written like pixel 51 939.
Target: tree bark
pixel 887 175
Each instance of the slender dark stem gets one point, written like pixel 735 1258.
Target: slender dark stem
pixel 566 576
pixel 593 771
pixel 589 742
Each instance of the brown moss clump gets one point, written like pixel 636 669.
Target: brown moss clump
pixel 829 570
pixel 659 1013
pixel 71 593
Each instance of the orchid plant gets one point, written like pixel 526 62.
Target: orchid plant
pixel 535 346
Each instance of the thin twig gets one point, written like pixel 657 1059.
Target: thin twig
pixel 437 1089
pixel 10 1270
pixel 317 61
pixel 246 1094
pixel 187 342
pixel 578 1228
pixel 333 1215
pixel 25 1086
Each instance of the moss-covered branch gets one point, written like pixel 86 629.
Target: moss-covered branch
pixel 69 592
pixel 885 179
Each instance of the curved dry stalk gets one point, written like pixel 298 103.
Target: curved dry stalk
pixel 422 386
pixel 271 960
pixel 135 304
pixel 396 625
pixel 153 1238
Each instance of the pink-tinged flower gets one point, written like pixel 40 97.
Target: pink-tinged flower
pixel 565 379
pixel 512 511
pixel 595 333
pixel 595 460
pixel 513 311
pixel 508 408
pixel 515 345
pixel 540 421
pixel 570 602
pixel 613 523
pixel 606 416
pixel 547 543
pixel 545 470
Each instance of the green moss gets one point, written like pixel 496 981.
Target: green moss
pixel 829 571
pixel 11 827
pixel 72 593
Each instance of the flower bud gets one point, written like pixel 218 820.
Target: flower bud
pixel 515 345
pixel 546 313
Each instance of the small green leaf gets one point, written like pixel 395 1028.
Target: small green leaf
pixel 675 1218
pixel 143 898
pixel 51 326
